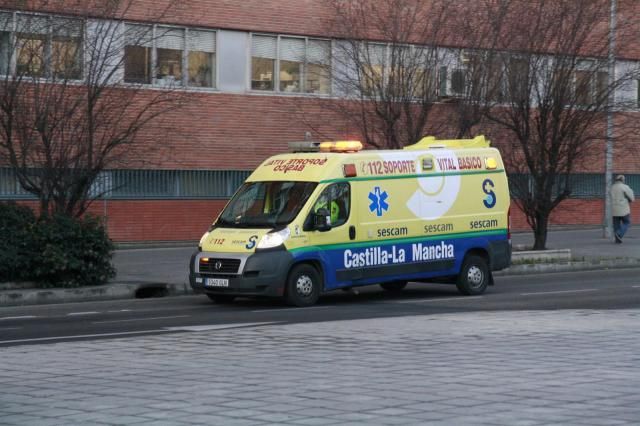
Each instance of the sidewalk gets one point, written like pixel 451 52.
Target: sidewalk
pixel 164 271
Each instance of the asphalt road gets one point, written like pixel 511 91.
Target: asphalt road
pixel 602 290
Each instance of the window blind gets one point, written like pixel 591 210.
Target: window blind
pixel 292 49
pixel 202 41
pixel 33 24
pixel 319 52
pixel 6 21
pixel 170 38
pixel 264 47
pixel 65 27
pixel 138 35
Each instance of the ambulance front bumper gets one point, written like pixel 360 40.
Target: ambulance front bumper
pixel 237 274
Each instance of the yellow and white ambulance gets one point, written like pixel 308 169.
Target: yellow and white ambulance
pixel 305 223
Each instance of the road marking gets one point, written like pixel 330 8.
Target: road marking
pixel 10 328
pixel 635 286
pixel 448 299
pixel 22 317
pixel 217 326
pixel 121 310
pixel 77 314
pixel 559 292
pixel 139 319
pixel 292 309
pixel 81 336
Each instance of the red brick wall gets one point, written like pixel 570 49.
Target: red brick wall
pixel 158 220
pixel 187 220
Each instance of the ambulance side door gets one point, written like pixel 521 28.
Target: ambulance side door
pixel 337 200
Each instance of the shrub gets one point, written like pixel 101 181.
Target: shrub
pixel 71 252
pixel 56 251
pixel 16 241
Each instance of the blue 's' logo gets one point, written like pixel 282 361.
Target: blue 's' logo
pixel 252 242
pixel 378 201
pixel 490 200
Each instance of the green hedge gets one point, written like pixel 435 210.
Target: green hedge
pixel 16 241
pixel 56 251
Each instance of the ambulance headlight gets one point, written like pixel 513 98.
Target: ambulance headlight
pixel 274 239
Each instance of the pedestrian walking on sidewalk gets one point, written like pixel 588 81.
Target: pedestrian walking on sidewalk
pixel 621 196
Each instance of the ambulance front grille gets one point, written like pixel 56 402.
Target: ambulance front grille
pixel 219 266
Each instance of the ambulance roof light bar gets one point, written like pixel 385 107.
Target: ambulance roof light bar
pixel 329 146
pixel 341 146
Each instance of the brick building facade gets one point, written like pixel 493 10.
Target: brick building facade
pixel 237 116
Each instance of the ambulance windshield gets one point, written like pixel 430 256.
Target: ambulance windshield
pixel 265 204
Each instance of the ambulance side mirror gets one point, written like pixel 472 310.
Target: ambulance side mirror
pixel 322 220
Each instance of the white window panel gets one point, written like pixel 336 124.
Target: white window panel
pixel 319 52
pixel 264 47
pixel 292 49
pixel 202 41
pixel 170 38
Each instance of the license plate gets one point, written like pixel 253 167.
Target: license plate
pixel 216 282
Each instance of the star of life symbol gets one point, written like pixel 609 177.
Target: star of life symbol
pixel 378 201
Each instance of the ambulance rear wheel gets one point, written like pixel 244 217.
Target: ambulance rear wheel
pixel 303 286
pixel 221 298
pixel 394 286
pixel 474 276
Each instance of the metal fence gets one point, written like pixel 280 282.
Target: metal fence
pixel 147 184
pixel 214 184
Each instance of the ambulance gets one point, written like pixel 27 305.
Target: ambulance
pixel 331 216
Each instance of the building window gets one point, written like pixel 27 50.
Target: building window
pixel 45 46
pixel 169 56
pixel 202 58
pixel 302 64
pixel 6 27
pixel 31 42
pixel 263 62
pixel 169 50
pixel 137 54
pixel 372 69
pixel 591 87
pixel 318 75
pixel 291 63
pixel 66 49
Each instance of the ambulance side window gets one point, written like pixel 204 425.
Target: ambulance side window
pixel 336 199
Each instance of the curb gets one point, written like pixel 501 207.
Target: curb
pixel 569 266
pixel 38 296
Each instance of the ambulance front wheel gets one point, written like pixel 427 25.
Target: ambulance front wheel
pixel 474 276
pixel 303 286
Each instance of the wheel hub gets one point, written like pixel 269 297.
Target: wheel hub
pixel 304 285
pixel 475 276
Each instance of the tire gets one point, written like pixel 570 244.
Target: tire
pixel 303 286
pixel 221 298
pixel 474 276
pixel 394 286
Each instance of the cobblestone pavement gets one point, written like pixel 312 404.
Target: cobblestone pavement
pixel 506 368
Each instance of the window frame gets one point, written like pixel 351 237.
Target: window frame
pixel 303 89
pixel 184 80
pixel 48 39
